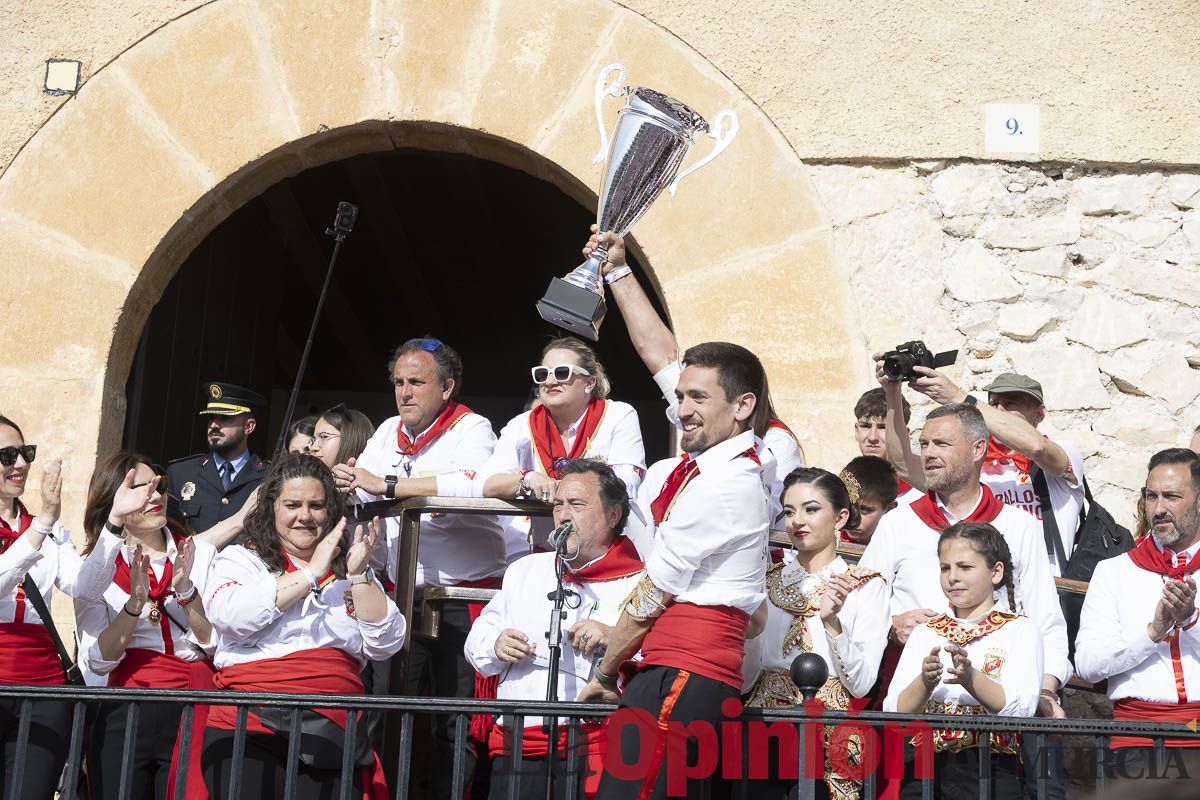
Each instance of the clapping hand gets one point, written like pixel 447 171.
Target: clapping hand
pixel 834 597
pixel 960 670
pixel 139 582
pixel 366 536
pixel 181 572
pixel 931 669
pixel 51 493
pixel 327 549
pixel 1176 606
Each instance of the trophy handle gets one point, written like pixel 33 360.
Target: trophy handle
pixel 602 88
pixel 723 137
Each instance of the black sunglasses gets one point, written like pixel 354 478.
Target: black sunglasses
pixel 8 455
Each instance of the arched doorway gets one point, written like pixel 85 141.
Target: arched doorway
pixel 446 244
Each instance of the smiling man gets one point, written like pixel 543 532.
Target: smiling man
pixel 1138 629
pixel 705 523
pixel 205 489
pixel 904 547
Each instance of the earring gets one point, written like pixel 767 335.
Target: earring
pixel 587 390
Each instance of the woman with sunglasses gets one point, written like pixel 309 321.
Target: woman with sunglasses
pixel 340 434
pixel 141 622
pixel 36 555
pixel 574 419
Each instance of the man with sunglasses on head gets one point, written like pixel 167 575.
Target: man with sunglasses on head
pixel 209 488
pixel 434 446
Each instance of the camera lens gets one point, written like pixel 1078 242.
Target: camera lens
pixel 897 366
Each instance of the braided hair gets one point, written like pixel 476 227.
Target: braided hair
pixel 989 543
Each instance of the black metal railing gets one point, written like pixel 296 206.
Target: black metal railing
pixel 406 710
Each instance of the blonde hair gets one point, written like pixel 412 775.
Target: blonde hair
pixel 587 360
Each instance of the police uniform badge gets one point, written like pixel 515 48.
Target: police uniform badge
pixel 188 491
pixel 992 662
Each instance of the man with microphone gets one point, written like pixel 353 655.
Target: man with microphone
pixel 600 567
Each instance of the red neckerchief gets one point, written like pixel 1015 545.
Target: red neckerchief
pixel 902 487
pixel 548 442
pixel 7 534
pixel 1150 558
pixel 932 515
pixel 620 561
pixel 684 471
pixel 998 452
pixel 160 590
pixel 779 424
pixel 450 415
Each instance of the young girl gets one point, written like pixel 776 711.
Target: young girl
pixel 818 604
pixel 973 660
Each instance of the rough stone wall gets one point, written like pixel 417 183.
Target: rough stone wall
pixel 1086 278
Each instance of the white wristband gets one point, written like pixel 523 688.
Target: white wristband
pixel 617 274
pixel 38 527
pixel 312 581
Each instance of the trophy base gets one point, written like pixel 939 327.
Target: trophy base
pixel 568 306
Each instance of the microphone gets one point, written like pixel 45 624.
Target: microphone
pixel 558 537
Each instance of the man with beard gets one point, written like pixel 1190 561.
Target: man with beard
pixel 205 489
pixel 706 516
pixel 1138 628
pixel 904 547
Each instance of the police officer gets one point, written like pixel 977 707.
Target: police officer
pixel 205 489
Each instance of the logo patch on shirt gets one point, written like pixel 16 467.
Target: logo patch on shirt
pixel 470 473
pixel 992 662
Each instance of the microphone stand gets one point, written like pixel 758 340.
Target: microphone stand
pixel 554 637
pixel 347 213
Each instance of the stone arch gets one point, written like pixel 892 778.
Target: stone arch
pixel 105 201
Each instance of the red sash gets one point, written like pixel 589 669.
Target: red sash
pixel 704 640
pixel 28 655
pixel 998 452
pixel 778 424
pixel 684 471
pixel 1141 711
pixel 7 537
pixel 485 687
pixel 160 590
pixel 535 743
pixel 620 561
pixel 321 670
pixel 548 442
pixel 932 515
pixel 150 669
pixel 451 414
pixel 902 486
pixel 1149 557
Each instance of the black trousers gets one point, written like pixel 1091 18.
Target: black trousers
pixel 956 777
pixel 153 750
pixel 438 668
pixel 666 695
pixel 264 770
pixel 49 738
pixel 533 777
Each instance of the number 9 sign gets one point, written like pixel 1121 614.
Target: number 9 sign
pixel 1012 128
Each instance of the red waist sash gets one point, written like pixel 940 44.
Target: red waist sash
pixel 321 670
pixel 703 640
pixel 28 655
pixel 1143 711
pixel 535 743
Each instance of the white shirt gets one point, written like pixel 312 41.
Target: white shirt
pixel 617 441
pixel 522 604
pixel 854 656
pixel 454 547
pixel 1010 655
pixel 1015 488
pixel 240 604
pixel 95 611
pixel 785 450
pixel 904 550
pixel 54 565
pixel 909 497
pixel 1112 642
pixel 711 550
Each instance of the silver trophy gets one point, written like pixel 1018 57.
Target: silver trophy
pixel 651 138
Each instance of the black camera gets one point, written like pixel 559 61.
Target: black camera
pixel 898 364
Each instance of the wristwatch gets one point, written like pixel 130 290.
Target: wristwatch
pixel 366 577
pixel 390 483
pixel 524 490
pixel 115 530
pixel 970 400
pixel 617 274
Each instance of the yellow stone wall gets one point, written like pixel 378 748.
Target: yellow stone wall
pixel 189 108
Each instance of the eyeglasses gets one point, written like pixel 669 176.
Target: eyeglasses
pixel 8 455
pixel 325 436
pixel 428 345
pixel 561 373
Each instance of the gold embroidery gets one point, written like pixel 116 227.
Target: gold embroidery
pixel 954 741
pixel 645 601
pixel 803 605
pixel 952 630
